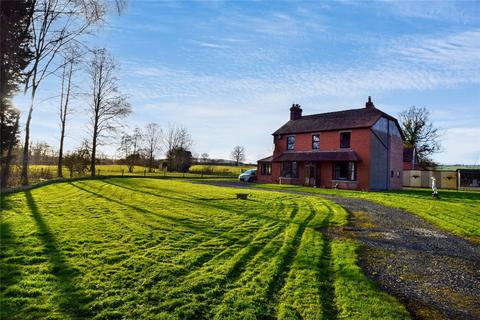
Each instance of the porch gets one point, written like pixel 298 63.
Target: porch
pixel 328 169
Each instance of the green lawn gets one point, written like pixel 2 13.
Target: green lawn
pixel 42 173
pixel 165 249
pixel 456 211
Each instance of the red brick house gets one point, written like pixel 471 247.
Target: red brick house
pixel 358 149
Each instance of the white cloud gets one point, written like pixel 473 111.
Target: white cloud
pixel 459 49
pixel 460 146
pixel 210 45
pixel 454 11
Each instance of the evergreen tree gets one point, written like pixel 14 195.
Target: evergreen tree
pixel 14 58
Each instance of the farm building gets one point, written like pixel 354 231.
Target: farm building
pixel 468 179
pixel 358 149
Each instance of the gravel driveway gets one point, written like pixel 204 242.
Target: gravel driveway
pixel 436 274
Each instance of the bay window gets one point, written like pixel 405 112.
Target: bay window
pixel 289 170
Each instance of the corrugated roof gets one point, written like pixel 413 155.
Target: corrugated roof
pixel 340 120
pixel 338 155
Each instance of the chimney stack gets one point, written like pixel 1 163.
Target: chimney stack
pixel 295 112
pixel 369 104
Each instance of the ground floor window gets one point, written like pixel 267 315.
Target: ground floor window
pixel 266 169
pixel 345 171
pixel 289 169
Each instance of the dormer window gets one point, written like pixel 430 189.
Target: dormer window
pixel 315 142
pixel 345 139
pixel 290 142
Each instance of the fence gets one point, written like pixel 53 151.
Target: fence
pixel 421 179
pixel 42 173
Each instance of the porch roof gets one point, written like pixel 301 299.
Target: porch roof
pixel 337 155
pixel 267 159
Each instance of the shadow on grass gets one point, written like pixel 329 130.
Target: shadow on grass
pixel 327 289
pixel 205 204
pixel 70 299
pixel 10 273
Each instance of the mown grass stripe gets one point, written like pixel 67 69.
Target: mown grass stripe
pixel 171 250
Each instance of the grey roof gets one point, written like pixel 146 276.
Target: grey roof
pixel 267 159
pixel 340 120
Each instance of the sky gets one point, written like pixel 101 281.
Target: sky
pixel 230 70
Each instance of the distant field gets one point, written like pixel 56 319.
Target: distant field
pixel 220 169
pixel 456 211
pixel 39 173
pixel 140 170
pixel 169 249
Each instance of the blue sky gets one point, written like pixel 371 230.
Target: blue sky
pixel 229 71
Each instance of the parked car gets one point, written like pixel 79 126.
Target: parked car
pixel 248 176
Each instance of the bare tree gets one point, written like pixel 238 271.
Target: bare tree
pixel 78 160
pixel 107 105
pixel 420 133
pixel 42 153
pixel 204 157
pixel 153 136
pixel 53 24
pixel 176 137
pixel 130 147
pixel 238 154
pixel 125 146
pixel 71 58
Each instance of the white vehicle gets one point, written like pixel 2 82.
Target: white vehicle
pixel 248 176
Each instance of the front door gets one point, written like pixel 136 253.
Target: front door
pixel 312 171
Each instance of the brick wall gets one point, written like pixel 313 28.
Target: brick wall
pixel 330 140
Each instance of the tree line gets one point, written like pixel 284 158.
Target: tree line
pixel 43 39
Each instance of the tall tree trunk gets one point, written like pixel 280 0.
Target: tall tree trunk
pixel 63 120
pixel 62 125
pixel 150 162
pixel 94 151
pixel 60 152
pixel 6 168
pixel 24 174
pixel 94 145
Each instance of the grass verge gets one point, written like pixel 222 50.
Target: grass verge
pixel 457 212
